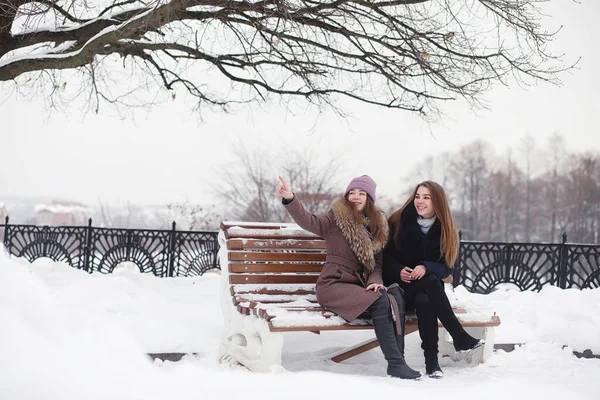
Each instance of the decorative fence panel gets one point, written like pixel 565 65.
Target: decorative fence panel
pixel 160 252
pixel 582 266
pixel 64 243
pixel 484 266
pixel 481 266
pixel 195 253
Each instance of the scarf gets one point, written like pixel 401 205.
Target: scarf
pixel 425 223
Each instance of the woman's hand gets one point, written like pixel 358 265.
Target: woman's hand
pixel 410 274
pixel 418 272
pixel 284 191
pixel 375 287
pixel 406 274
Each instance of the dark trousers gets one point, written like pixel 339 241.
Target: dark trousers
pixel 428 298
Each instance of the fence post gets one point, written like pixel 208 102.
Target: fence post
pixel 215 237
pixel 171 267
pixel 45 237
pixel 456 270
pixel 6 235
pixel 88 247
pixel 562 262
pixel 508 255
pixel 128 245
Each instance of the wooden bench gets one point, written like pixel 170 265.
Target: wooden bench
pixel 269 275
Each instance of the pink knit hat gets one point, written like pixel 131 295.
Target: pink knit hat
pixel 363 182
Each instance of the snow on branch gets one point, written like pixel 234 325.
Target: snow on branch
pixel 406 54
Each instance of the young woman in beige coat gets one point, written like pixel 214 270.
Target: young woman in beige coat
pixel 350 284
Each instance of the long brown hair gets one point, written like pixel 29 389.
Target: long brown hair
pixel 450 240
pixel 370 216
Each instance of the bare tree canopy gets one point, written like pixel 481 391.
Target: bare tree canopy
pixel 402 54
pixel 248 185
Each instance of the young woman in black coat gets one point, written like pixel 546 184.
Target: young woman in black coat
pixel 422 249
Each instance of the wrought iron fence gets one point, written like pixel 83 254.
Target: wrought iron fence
pixel 481 266
pixel 161 252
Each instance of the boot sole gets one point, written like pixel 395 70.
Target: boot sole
pixel 479 344
pixel 434 376
pixel 418 378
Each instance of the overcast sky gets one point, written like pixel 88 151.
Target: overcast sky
pixel 169 155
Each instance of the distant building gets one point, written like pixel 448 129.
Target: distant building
pixel 62 213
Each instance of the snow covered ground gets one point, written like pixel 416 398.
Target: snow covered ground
pixel 65 334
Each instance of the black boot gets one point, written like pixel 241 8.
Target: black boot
pixel 396 292
pixel 462 340
pixel 428 330
pixel 386 335
pixel 469 345
pixel 432 366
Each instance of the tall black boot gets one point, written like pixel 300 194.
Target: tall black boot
pixel 396 292
pixel 462 340
pixel 386 335
pixel 432 366
pixel 428 330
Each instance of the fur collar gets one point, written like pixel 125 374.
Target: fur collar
pixel 356 234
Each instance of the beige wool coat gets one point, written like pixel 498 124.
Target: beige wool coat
pixel 353 260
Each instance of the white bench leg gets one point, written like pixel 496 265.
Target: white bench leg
pixel 489 336
pixel 249 342
pixel 247 339
pixel 481 355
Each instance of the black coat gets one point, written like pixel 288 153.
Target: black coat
pixel 413 248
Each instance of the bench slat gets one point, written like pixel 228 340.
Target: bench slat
pixel 283 268
pixel 265 305
pixel 225 225
pixel 251 308
pixel 267 256
pixel 280 299
pixel 243 309
pixel 277 289
pixel 316 328
pixel 316 308
pixel 275 278
pixel 264 313
pixel 268 234
pixel 275 244
pixel 282 324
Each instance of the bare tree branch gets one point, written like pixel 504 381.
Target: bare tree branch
pixel 248 184
pixel 410 55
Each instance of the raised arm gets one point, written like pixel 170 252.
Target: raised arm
pixel 319 224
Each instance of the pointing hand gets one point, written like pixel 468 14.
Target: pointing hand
pixel 284 191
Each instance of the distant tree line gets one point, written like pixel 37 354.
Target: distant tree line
pixel 526 194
